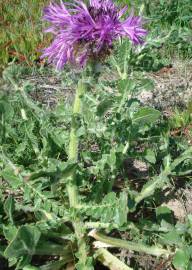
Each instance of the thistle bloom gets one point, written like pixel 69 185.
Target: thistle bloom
pixel 85 31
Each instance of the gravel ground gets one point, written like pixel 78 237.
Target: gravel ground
pixel 172 87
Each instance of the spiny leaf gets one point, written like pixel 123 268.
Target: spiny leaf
pixel 24 242
pixel 9 208
pixel 145 116
pixel 110 209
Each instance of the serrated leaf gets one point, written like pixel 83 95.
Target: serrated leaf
pixel 9 207
pixel 9 232
pixel 181 260
pixel 121 212
pixel 52 249
pixel 126 86
pixel 6 109
pixel 145 116
pixel 150 187
pixel 184 156
pixel 150 156
pixel 24 242
pixel 172 238
pixel 59 136
pixel 10 176
pixel 111 209
pixel 56 170
pixel 105 105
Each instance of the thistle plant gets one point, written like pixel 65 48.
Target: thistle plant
pixel 87 32
pixel 68 194
pixel 84 35
pixel 80 181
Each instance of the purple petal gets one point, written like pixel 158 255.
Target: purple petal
pixel 81 30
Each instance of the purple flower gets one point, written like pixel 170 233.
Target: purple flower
pixel 85 31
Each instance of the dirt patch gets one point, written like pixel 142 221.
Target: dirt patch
pixel 172 86
pixel 181 204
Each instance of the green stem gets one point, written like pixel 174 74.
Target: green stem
pixel 109 260
pixel 71 185
pixel 138 247
pixel 99 225
pixel 73 144
pixel 149 189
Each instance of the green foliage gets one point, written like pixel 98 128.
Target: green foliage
pixel 36 221
pixel 34 169
pixel 20 28
pixel 175 17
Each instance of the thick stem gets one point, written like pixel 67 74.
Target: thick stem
pixel 138 247
pixel 73 144
pixel 71 185
pixel 109 260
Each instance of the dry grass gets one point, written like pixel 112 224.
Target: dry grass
pixel 21 35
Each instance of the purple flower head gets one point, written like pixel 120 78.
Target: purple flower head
pixel 85 31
